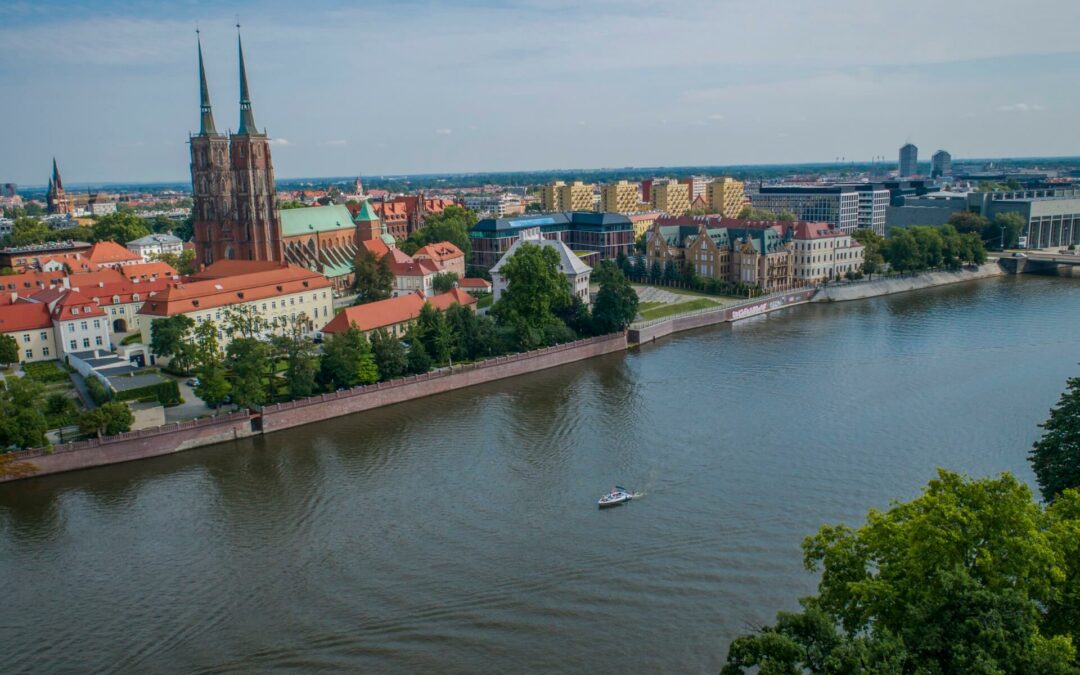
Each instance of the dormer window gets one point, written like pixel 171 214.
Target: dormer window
pixel 194 303
pixel 135 297
pixel 75 311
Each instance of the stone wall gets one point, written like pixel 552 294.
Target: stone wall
pixel 325 406
pixel 888 285
pixel 650 331
pixel 130 446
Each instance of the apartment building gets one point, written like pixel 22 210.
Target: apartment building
pixel 823 253
pixel 671 196
pixel 697 185
pixel 726 197
pixel 620 197
pixel 559 196
pixel 762 257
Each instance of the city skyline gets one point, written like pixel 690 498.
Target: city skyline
pixel 411 88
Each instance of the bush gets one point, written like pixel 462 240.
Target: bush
pixel 132 339
pixel 166 392
pixel 98 393
pixel 45 371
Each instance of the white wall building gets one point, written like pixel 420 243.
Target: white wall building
pixel 577 272
pixel 823 253
pixel 155 244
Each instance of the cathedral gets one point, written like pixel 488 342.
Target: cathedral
pixel 57 200
pixel 232 178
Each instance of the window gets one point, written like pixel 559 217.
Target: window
pixel 29 353
pixel 75 311
pixel 97 341
pixel 86 343
pixel 74 345
pixel 44 351
pixel 44 336
pixel 97 323
pixel 26 337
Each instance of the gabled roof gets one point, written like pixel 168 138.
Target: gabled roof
pixel 376 246
pixel 454 296
pixel 469 283
pixel 74 305
pixel 439 252
pixel 312 219
pixel 390 312
pixel 409 267
pixel 232 268
pixel 155 239
pixel 106 275
pixel 107 252
pixel 149 270
pixel 24 316
pixel 190 296
pixel 569 262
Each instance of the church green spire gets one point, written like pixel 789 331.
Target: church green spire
pixel 247 117
pixel 206 122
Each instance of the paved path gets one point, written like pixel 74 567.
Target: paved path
pixel 654 294
pixel 82 391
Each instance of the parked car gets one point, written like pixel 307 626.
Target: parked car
pixel 193 382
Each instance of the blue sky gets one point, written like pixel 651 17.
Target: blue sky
pixel 410 86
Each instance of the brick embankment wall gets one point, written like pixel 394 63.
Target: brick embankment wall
pixel 130 446
pixel 652 331
pixel 318 408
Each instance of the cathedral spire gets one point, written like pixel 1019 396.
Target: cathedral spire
pixel 56 182
pixel 206 122
pixel 247 117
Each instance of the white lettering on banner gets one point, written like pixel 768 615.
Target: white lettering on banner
pixel 744 312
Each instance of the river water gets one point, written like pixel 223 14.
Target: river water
pixel 460 532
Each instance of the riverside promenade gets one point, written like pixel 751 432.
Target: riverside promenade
pixel 888 285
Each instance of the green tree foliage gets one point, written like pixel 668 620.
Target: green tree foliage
pixel 444 281
pixel 291 204
pixel 389 354
pixel 671 271
pixel 435 333
pixel 213 387
pixel 1055 457
pixel 245 321
pixel 99 393
pixel 301 357
pixel 185 230
pixel 971 577
pixel 535 290
pixel 641 243
pixel 872 243
pixel 347 361
pixel 27 230
pixel 183 262
pixel 1004 230
pixel 452 224
pixel 22 422
pixel 616 303
pixel 748 212
pixel 966 221
pixel 924 247
pixel 120 227
pixel 374 280
pixel 641 270
pixel 171 337
pixel 656 273
pixel 419 360
pixel 246 359
pixel 114 417
pixel 9 350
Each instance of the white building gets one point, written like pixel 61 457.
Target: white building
pixel 823 253
pixel 576 271
pixel 156 244
pixel 497 205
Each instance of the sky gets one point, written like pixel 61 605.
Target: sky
pixel 410 86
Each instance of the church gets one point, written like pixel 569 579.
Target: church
pixel 235 212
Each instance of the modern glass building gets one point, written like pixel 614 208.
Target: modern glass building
pixel 909 161
pixel 608 234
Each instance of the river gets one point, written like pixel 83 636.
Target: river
pixel 460 532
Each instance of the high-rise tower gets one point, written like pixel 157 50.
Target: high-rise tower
pixel 909 161
pixel 210 183
pixel 56 198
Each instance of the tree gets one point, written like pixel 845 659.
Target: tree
pixel 444 281
pixel 246 359
pixel 22 422
pixel 120 227
pixel 616 303
pixel 966 221
pixel 183 262
pixel 245 321
pixel 901 251
pixel 452 224
pixel 114 417
pixel 671 271
pixel 1005 229
pixel 748 212
pixel 641 270
pixel 9 350
pixel 872 243
pixel 374 280
pixel 971 576
pixel 185 230
pixel 419 361
pixel 171 337
pixel 27 230
pixel 347 361
pixel 213 387
pixel 1055 457
pixel 301 358
pixel 535 288
pixel 656 273
pixel 389 354
pixel 641 243
pixel 291 204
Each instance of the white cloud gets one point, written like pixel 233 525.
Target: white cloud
pixel 279 141
pixel 444 131
pixel 1020 107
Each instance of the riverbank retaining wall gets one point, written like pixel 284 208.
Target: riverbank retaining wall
pixel 325 406
pixel 888 285
pixel 180 436
pixel 129 446
pixel 647 332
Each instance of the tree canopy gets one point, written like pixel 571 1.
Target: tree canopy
pixel 971 576
pixel 452 225
pixel 120 227
pixel 1055 457
pixel 616 302
pixel 171 337
pixel 373 278
pixel 535 290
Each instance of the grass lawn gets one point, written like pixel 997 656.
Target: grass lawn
pixel 660 310
pixel 485 300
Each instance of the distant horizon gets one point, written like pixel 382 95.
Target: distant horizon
pixel 77 185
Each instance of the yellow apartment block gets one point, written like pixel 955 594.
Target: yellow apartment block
pixel 621 197
pixel 726 197
pixel 671 197
pixel 559 196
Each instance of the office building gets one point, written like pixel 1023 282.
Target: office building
pixel 726 197
pixel 940 164
pixel 607 234
pixel 697 185
pixel 909 161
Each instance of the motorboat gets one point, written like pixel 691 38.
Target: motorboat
pixel 619 495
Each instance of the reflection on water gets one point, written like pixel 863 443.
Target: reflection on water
pixel 461 532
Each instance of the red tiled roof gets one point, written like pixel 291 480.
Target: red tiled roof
pixel 474 283
pixel 411 268
pixel 390 312
pixel 804 230
pixel 376 246
pixel 24 316
pixel 105 252
pixel 30 281
pixel 149 270
pixel 439 252
pixel 74 305
pixel 126 291
pixel 284 279
pixel 75 263
pixel 107 275
pixel 232 268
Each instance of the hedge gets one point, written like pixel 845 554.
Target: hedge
pixel 45 371
pixel 166 392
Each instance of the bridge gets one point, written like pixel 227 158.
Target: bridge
pixel 1061 263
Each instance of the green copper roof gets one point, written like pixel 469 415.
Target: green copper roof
pixel 315 219
pixel 388 239
pixel 337 270
pixel 366 213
